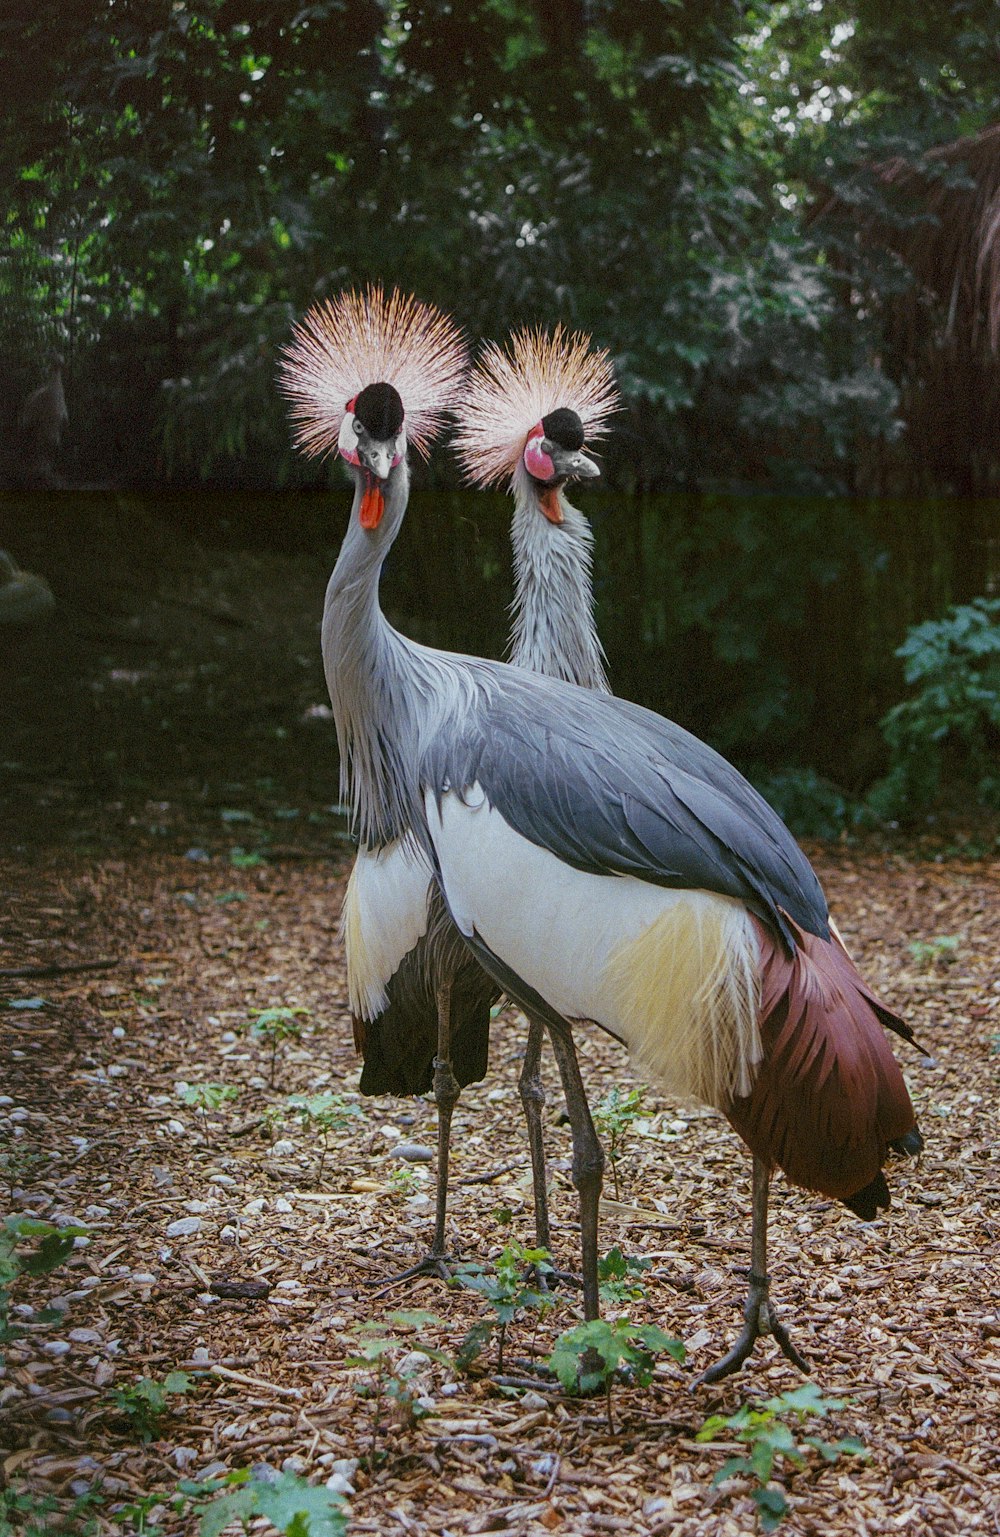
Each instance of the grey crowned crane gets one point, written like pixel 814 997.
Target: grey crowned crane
pixel 425 1023
pixel 657 894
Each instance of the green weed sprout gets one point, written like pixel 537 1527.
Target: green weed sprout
pixel 145 1404
pixel 324 1113
pixel 377 1351
pixel 617 1276
pixel 509 1293
pixel 613 1116
pixel 207 1096
pixel 274 1026
pixel 291 1504
pixel 927 952
pixel 765 1430
pixel 55 1245
pixel 586 1358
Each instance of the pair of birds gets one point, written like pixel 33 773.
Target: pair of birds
pixel 521 833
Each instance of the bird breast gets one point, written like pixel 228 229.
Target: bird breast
pixel 672 973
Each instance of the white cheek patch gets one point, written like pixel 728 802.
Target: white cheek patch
pixel 400 449
pixel 347 439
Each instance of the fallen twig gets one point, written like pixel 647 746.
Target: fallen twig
pixel 487 1179
pixel 59 968
pixel 252 1382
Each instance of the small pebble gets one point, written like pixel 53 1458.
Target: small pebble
pixel 57 1347
pixel 413 1152
pixel 184 1227
pixel 283 1204
pixel 533 1402
pixel 222 1179
pixel 281 1148
pixel 294 1464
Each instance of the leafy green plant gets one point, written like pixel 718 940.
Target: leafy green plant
pixel 243 859
pixel 613 1116
pixel 325 1114
pixel 954 663
pixel 291 1504
pixel 617 1276
pixel 926 952
pixel 206 1097
pixel 768 1436
pixel 55 1245
pixel 389 1383
pixel 509 1294
pixel 16 1164
pixel 274 1026
pixel 586 1358
pixel 26 1514
pixel 403 1181
pixel 809 805
pixel 145 1403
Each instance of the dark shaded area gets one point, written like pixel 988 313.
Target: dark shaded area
pixel 182 658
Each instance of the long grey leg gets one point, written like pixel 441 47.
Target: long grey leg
pixel 759 1315
pixel 588 1162
pixel 446 1093
pixel 532 1094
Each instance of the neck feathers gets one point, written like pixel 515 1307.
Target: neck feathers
pixel 553 630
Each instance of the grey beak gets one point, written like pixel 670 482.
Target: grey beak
pixel 377 457
pixel 583 468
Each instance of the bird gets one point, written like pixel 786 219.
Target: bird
pixel 40 425
pixel 658 896
pixel 426 1023
pixel 546 393
pixel 24 597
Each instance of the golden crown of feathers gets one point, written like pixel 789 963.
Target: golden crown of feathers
pixel 513 387
pixel 370 337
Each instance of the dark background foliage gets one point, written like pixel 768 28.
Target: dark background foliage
pixel 740 200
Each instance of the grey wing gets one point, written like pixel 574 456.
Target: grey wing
pixel 615 789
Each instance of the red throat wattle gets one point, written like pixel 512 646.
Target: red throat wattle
pixel 372 504
pixel 549 502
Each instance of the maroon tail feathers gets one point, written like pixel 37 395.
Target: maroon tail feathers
pixel 829 1098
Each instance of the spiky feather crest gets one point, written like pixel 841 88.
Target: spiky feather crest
pixel 369 337
pixel 513 387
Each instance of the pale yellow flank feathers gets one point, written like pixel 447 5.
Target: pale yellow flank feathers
pixel 687 994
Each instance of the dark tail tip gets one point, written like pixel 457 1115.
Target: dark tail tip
pixel 912 1143
pixel 867 1203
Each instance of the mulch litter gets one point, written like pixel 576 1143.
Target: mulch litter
pixel 167 757
pixel 900 1317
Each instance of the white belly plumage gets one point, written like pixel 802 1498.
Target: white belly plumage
pixel 674 974
pixel 384 914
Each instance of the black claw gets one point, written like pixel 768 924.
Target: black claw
pixel 760 1318
pixel 432 1264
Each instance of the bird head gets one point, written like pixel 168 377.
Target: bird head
pixel 553 379
pixel 554 455
pixel 373 438
pixel 360 365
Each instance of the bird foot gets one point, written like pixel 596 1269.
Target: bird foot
pixel 760 1318
pixel 432 1264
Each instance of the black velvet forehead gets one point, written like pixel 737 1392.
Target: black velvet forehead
pixel 380 411
pixel 563 427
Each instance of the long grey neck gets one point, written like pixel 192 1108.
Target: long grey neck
pixel 368 667
pixel 553 629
